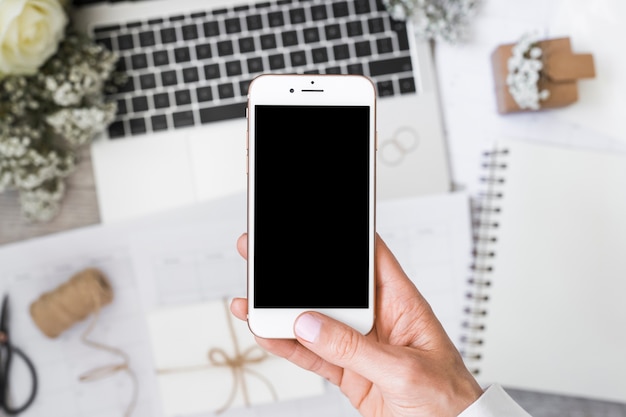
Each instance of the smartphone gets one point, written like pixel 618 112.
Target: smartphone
pixel 311 200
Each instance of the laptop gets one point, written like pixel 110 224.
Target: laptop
pixel 180 131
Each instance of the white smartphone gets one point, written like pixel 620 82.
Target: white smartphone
pixel 311 200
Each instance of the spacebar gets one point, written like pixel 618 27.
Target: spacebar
pixel 390 66
pixel 216 114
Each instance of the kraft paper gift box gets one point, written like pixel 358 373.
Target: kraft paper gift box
pixel 561 70
pixel 206 360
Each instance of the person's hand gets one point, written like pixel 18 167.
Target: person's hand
pixel 406 366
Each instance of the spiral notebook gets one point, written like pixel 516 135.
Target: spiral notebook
pixel 549 273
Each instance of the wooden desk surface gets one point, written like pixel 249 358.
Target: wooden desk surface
pixel 80 208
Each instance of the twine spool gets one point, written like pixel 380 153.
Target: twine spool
pixel 73 301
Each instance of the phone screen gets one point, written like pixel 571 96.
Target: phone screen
pixel 312 206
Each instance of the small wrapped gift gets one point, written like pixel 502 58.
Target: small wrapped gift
pixel 532 75
pixel 208 361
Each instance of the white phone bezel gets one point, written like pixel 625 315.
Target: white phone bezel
pixel 292 89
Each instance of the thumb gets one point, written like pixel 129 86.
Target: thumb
pixel 343 346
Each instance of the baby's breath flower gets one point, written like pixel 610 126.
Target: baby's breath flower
pixel 435 19
pixel 47 117
pixel 524 73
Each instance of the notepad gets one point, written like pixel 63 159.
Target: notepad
pixel 549 274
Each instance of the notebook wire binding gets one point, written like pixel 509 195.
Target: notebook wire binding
pixel 486 212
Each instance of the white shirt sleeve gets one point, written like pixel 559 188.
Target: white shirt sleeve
pixel 495 402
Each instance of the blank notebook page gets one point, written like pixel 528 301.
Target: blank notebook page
pixel 556 309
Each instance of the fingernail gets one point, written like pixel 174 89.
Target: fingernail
pixel 308 327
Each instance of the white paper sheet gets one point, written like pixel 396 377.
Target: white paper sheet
pixel 182 339
pixel 430 235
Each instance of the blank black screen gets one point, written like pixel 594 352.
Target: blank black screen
pixel 311 210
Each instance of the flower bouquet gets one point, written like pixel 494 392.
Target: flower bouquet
pixel 53 82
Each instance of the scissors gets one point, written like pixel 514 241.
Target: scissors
pixel 7 353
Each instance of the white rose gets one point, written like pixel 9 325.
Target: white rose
pixel 30 32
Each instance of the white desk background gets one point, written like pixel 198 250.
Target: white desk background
pixel 472 123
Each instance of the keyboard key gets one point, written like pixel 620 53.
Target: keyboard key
pixel 137 126
pixel 228 112
pixel 226 90
pixel 140 104
pixel 233 25
pixel 384 88
pixel 204 94
pixel 246 45
pixel 182 97
pixel 403 37
pixel 128 86
pixel 340 9
pixel 276 19
pixel 362 6
pixel 211 29
pixel 125 42
pixel 341 52
pixel 319 12
pixel 159 122
pixel 333 70
pixel 182 54
pixel 183 119
pixel 120 65
pixel 290 38
pixel 160 58
pixel 147 39
pixel 355 69
pixel 139 61
pixel 276 61
pixel 384 46
pixel 106 42
pixel 211 71
pixel 233 68
pixel 169 78
pixel 225 48
pixel 203 51
pixel 390 66
pixel 168 35
pixel 243 87
pixel 332 31
pixel 268 41
pixel 355 28
pixel 311 35
pixel 376 25
pixel 121 107
pixel 298 58
pixel 190 75
pixel 190 32
pixel 296 16
pixel 104 29
pixel 255 65
pixel 319 55
pixel 161 100
pixel 254 22
pixel 363 48
pixel 407 85
pixel 147 81
pixel 116 130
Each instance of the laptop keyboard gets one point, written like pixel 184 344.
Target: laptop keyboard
pixel 192 69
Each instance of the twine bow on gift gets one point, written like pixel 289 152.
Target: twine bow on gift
pixel 238 364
